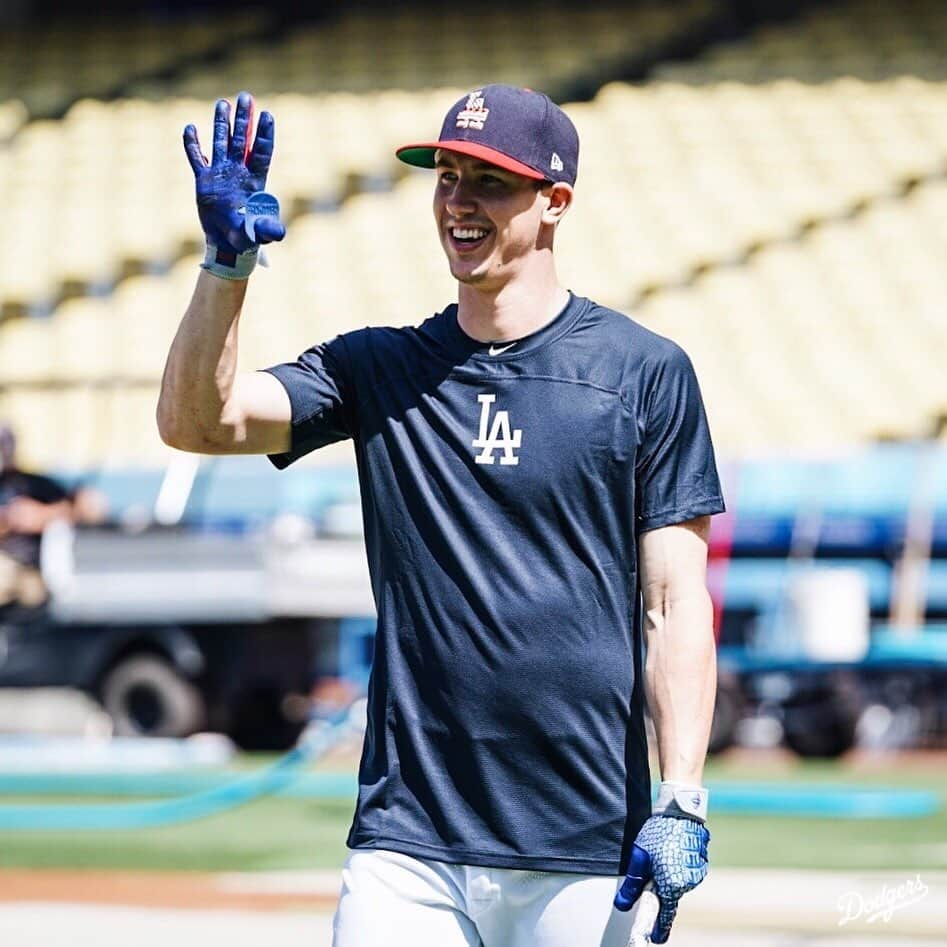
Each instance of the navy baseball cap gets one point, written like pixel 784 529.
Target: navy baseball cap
pixel 516 129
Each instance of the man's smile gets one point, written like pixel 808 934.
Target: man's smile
pixel 469 237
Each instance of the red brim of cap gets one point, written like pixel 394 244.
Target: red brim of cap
pixel 422 156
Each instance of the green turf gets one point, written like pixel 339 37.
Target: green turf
pixel 767 841
pixel 266 834
pixel 288 833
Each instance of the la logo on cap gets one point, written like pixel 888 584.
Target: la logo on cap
pixel 473 114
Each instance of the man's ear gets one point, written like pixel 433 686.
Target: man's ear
pixel 560 200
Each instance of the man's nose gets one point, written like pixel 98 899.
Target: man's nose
pixel 460 200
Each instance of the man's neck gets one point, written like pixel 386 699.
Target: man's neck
pixel 513 312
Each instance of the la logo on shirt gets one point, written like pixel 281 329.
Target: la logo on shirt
pixel 501 436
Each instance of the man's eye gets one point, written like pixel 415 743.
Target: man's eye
pixel 448 177
pixel 491 179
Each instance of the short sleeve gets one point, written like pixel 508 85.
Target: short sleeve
pixel 45 489
pixel 320 388
pixel 676 471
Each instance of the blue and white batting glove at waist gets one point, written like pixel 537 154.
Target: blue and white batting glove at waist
pixel 235 211
pixel 670 852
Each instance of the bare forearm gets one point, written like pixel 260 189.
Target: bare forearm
pixel 28 517
pixel 201 366
pixel 50 512
pixel 681 681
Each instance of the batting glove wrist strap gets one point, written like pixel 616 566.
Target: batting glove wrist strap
pixel 682 801
pixel 229 265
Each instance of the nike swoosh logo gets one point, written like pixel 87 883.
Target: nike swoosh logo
pixel 499 350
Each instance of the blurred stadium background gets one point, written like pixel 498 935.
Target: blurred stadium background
pixel 764 182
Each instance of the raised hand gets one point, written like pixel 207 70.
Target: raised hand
pixel 235 211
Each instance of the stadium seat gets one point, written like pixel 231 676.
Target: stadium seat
pixel 788 232
pixel 46 65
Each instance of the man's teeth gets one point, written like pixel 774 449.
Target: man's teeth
pixel 468 233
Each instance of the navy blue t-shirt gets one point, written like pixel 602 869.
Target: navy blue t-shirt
pixel 502 498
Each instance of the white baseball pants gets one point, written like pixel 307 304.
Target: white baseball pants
pixel 394 900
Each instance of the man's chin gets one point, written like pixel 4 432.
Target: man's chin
pixel 470 277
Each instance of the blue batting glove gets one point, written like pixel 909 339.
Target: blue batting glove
pixel 670 852
pixel 234 209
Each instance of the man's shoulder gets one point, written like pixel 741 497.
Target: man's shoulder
pixel 630 339
pixel 395 336
pixel 394 346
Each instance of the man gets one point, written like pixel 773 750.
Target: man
pixel 530 463
pixel 29 502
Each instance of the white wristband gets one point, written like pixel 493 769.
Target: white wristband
pixel 229 265
pixel 681 801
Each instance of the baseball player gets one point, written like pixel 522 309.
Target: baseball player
pixel 537 479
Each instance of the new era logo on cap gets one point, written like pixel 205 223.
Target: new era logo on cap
pixel 514 128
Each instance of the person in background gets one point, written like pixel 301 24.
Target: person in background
pixel 29 502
